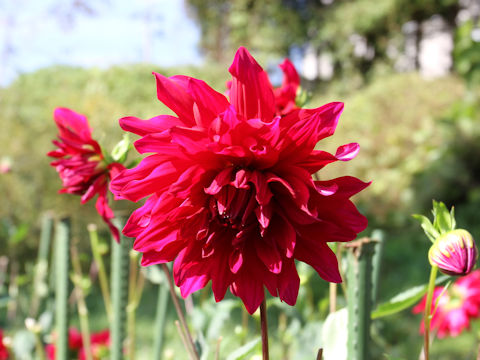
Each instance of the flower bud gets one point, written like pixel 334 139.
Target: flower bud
pixel 454 253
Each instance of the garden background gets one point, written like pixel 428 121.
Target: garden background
pixel 408 73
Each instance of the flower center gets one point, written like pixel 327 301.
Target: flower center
pixel 233 207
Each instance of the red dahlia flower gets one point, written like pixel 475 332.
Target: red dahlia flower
pixel 81 164
pixel 456 307
pixel 230 192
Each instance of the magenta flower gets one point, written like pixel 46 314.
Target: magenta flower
pixel 454 253
pixel 456 307
pixel 230 195
pixel 80 163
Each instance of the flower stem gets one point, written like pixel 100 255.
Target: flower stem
pixel 181 317
pixel 428 310
pixel 102 274
pixel 81 305
pixel 160 320
pixel 264 325
pixel 62 266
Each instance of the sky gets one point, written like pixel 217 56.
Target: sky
pixel 40 33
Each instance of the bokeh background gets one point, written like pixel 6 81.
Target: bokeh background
pixel 407 70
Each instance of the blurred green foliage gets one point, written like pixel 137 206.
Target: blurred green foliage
pixel 274 27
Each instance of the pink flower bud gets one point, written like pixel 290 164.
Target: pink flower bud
pixel 454 253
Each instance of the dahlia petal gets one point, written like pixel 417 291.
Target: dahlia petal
pixel 167 254
pixel 192 141
pixel 290 74
pixel 133 187
pixel 250 290
pixel 94 188
pixel 263 194
pixel 140 218
pixel 221 276
pixel 187 180
pixel 156 124
pixel 306 127
pixel 222 179
pixel 264 214
pixel 344 214
pixel 157 143
pixel 282 232
pixel 345 186
pixel 288 283
pixel 251 93
pixel 208 102
pixel 172 92
pixel 106 213
pixel 316 160
pixel 321 258
pixel 72 125
pixel 192 284
pixel 156 237
pixel 347 152
pixel 269 254
pixel 235 260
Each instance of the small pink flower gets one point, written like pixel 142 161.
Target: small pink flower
pixel 80 163
pixel 229 188
pixel 454 253
pixel 459 304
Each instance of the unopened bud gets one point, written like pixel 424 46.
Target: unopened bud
pixel 454 253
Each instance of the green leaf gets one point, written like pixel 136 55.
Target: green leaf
pixel 23 344
pixel 334 341
pixel 243 351
pixel 452 218
pixel 403 300
pixel 442 218
pixel 427 227
pixel 120 151
pixel 19 234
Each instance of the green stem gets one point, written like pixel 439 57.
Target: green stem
pixel 136 284
pixel 119 279
pixel 264 326
pixel 428 311
pixel 102 274
pixel 39 350
pixel 186 332
pixel 160 319
pixel 41 267
pixel 359 304
pixel 81 305
pixel 62 263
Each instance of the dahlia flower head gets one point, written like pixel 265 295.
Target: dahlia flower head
pixel 81 164
pixel 457 306
pixel 229 191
